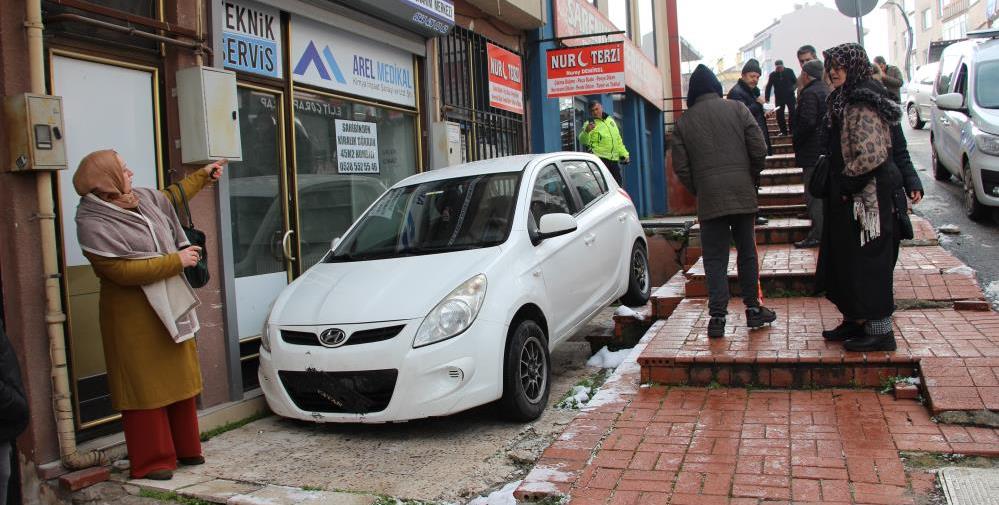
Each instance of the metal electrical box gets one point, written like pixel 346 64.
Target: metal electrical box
pixel 209 115
pixel 447 148
pixel 35 132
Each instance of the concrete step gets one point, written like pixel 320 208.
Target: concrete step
pixel 780 141
pixel 665 299
pixel 777 211
pixel 782 176
pixel 776 231
pixel 782 149
pixel 780 161
pixel 788 194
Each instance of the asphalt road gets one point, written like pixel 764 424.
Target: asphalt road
pixel 978 243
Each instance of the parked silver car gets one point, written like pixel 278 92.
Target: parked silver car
pixel 918 93
pixel 965 134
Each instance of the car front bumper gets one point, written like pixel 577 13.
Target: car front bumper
pixel 316 383
pixel 985 170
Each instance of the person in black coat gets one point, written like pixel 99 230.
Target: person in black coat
pixel 13 408
pixel 807 119
pixel 747 91
pixel 783 82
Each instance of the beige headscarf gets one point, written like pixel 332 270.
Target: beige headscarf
pixel 100 173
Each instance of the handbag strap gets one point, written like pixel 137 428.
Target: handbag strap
pixel 187 208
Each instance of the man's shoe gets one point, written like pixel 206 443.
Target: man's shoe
pixel 192 460
pixel 845 331
pixel 164 474
pixel 808 243
pixel 716 327
pixel 760 220
pixel 870 343
pixel 758 316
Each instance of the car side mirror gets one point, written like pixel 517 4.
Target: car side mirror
pixel 334 243
pixel 950 101
pixel 554 225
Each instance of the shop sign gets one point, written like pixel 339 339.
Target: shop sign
pixel 430 18
pixel 251 38
pixel 330 58
pixel 586 70
pixel 578 17
pixel 356 147
pixel 506 87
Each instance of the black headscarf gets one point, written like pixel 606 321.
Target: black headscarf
pixel 859 87
pixel 702 82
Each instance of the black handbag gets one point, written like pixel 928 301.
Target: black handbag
pixel 197 275
pixel 818 185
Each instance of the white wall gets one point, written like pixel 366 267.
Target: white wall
pixel 819 26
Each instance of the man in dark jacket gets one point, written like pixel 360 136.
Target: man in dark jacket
pixel 718 154
pixel 782 81
pixel 890 76
pixel 13 408
pixel 747 91
pixel 807 119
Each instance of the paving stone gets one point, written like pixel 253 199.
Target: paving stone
pixel 970 486
pixel 281 495
pixel 80 479
pixel 219 490
pixel 179 480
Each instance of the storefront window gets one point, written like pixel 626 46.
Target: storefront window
pixel 647 28
pixel 618 13
pixel 347 155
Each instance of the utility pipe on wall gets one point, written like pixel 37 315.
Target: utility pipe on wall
pixel 55 317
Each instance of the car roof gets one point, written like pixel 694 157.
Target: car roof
pixel 500 165
pixel 983 48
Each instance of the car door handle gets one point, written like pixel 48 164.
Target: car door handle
pixel 286 245
pixel 589 239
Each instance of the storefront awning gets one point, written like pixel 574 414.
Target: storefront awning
pixel 430 18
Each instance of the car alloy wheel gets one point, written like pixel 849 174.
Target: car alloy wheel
pixel 533 370
pixel 526 372
pixel 639 281
pixel 913 114
pixel 972 208
pixel 640 269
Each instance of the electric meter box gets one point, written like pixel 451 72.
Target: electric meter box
pixel 209 115
pixel 35 132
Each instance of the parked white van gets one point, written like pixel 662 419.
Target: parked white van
pixel 965 130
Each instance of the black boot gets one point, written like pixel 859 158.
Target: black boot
pixel 758 316
pixel 845 331
pixel 716 327
pixel 869 343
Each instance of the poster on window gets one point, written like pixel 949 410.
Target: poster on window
pixel 506 88
pixel 586 70
pixel 356 147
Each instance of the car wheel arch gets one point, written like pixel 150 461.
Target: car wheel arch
pixel 532 312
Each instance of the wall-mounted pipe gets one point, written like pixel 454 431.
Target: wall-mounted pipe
pixel 129 30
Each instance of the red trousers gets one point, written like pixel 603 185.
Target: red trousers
pixel 157 437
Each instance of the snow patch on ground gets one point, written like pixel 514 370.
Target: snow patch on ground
pixel 579 396
pixel 605 358
pixel 951 229
pixel 502 497
pixel 626 311
pixel 944 239
pixel 961 270
pixel 992 293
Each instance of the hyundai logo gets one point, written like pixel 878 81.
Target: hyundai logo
pixel 332 337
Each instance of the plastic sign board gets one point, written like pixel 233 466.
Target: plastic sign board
pixel 356 147
pixel 251 38
pixel 430 18
pixel 329 58
pixel 586 70
pixel 578 17
pixel 506 86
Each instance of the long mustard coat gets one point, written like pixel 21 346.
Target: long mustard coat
pixel 146 369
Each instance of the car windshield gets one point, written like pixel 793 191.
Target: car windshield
pixel 434 217
pixel 987 84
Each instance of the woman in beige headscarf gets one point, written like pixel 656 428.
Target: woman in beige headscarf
pixel 133 239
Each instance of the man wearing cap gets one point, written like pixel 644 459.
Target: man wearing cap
pixel 807 120
pixel 782 81
pixel 747 91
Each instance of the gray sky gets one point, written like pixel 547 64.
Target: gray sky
pixel 717 28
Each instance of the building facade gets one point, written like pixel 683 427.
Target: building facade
pixel 813 24
pixel 934 21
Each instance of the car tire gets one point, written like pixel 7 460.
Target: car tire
pixel 912 111
pixel 526 373
pixel 940 172
pixel 972 207
pixel 639 279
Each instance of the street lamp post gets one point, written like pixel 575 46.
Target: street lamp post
pixel 908 47
pixel 860 25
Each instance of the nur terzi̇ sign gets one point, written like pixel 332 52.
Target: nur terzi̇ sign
pixel 586 70
pixel 506 87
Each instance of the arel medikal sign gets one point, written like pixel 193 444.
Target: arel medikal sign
pixel 329 58
pixel 251 38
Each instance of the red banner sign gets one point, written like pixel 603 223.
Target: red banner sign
pixel 586 70
pixel 506 87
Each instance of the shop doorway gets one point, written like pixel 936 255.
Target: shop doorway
pixel 106 105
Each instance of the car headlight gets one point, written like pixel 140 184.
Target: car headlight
pixel 454 314
pixel 988 144
pixel 265 336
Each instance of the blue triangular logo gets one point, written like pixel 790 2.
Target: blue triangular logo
pixel 337 74
pixel 311 56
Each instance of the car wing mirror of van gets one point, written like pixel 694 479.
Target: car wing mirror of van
pixel 554 225
pixel 334 243
pixel 950 101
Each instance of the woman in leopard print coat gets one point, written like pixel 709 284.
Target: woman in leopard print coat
pixel 861 234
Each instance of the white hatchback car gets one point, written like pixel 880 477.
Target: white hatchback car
pixel 450 291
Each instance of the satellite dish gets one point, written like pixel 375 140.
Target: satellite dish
pixel 856 8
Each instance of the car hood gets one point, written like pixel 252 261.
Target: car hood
pixel 988 120
pixel 379 290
